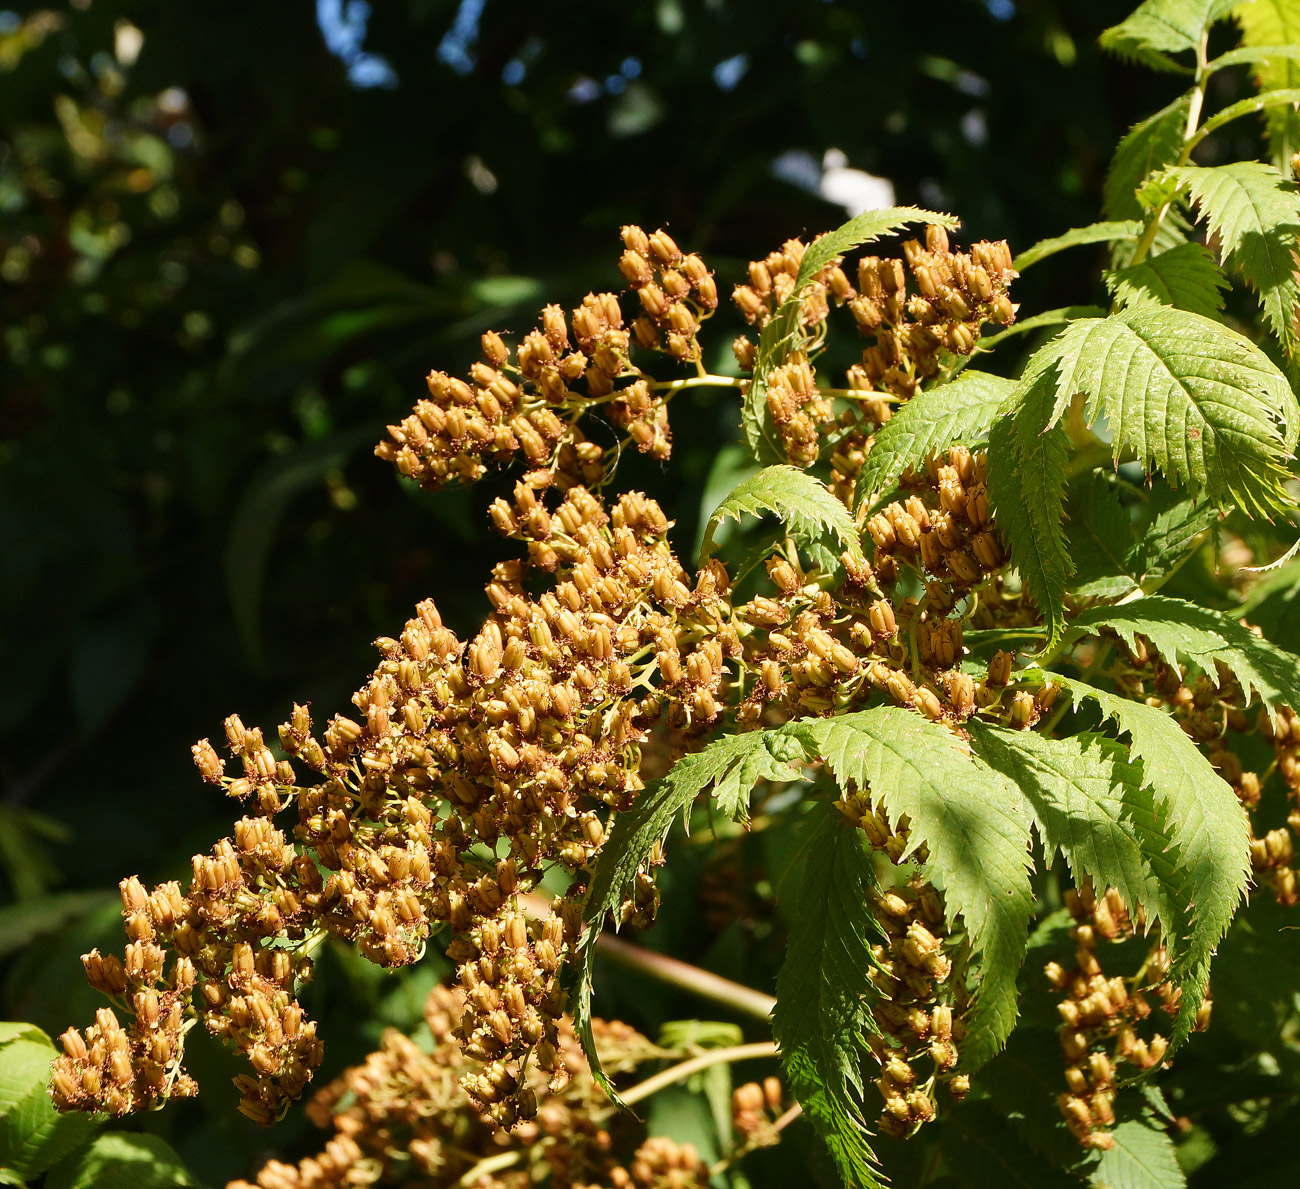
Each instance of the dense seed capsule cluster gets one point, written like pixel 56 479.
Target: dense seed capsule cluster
pixel 469 769
pixel 953 295
pixel 531 400
pixel 919 993
pixel 1108 1021
pixel 403 1116
pixel 530 732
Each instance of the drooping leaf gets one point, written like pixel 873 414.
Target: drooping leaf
pixel 961 411
pixel 1207 638
pixel 781 334
pixel 1189 396
pixel 1146 148
pixel 1268 29
pixel 122 1160
pixel 1093 233
pixel 1254 213
pixel 975 827
pixel 1026 477
pixel 798 499
pixel 1208 864
pixel 822 1011
pixel 1186 276
pixel 726 763
pixel 1082 790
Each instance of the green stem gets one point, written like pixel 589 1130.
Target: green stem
pixel 684 1069
pixel 490 1164
pixel 686 977
pixel 1190 140
pixel 708 380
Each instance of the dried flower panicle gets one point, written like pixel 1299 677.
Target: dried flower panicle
pixel 531 732
pixel 532 400
pixel 404 1113
pixel 954 294
pixel 471 768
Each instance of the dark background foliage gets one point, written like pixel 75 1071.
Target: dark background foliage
pixel 235 235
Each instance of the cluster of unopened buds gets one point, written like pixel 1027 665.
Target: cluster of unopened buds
pixel 531 401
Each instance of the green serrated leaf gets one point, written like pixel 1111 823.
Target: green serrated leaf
pixel 1208 864
pixel 1188 395
pixel 1082 790
pixel 961 411
pixel 727 763
pixel 957 808
pixel 1207 639
pixel 804 503
pixel 1093 233
pixel 1027 456
pixel 1267 27
pixel 821 1013
pixel 33 1135
pixel 1254 213
pixel 1186 276
pixel 1169 536
pixel 1158 28
pixel 862 229
pixel 781 335
pixel 1146 148
pixel 122 1160
pixel 1142 1158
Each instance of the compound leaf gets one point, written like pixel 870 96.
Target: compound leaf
pixel 1189 396
pixel 821 1013
pixel 1207 865
pixel 1186 276
pixel 1082 790
pixel 975 828
pixel 1207 639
